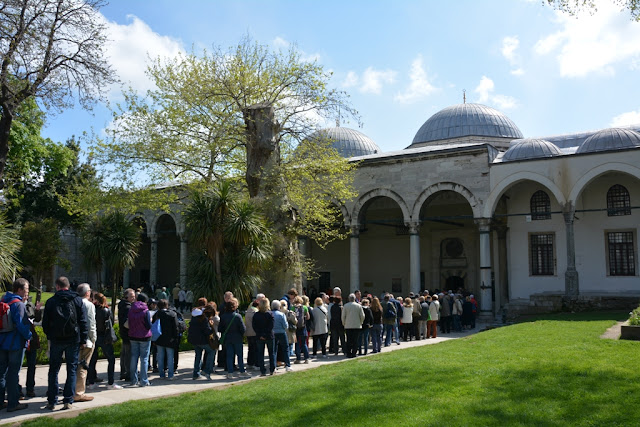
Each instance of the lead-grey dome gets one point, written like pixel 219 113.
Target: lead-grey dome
pixel 467 120
pixel 610 139
pixel 348 142
pixel 530 148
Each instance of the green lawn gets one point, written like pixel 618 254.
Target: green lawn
pixel 555 371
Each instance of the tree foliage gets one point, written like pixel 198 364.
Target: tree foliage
pixel 574 7
pixel 41 248
pixel 10 244
pixel 51 50
pixel 232 242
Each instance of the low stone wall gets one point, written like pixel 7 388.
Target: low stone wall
pixel 553 303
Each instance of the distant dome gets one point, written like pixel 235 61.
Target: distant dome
pixel 530 149
pixel 348 142
pixel 467 120
pixel 610 139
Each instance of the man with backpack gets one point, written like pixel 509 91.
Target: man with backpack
pixel 65 324
pixel 389 316
pixel 15 332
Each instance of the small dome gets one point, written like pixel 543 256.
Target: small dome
pixel 530 149
pixel 348 142
pixel 610 139
pixel 466 120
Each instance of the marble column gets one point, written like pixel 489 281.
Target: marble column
pixel 503 288
pixel 126 278
pixel 183 258
pixel 153 267
pixel 571 283
pixel 303 249
pixel 354 240
pixel 414 257
pixel 486 304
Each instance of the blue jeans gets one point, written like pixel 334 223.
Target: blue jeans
pixel 197 364
pixel 70 351
pixel 140 350
pixel 260 345
pixel 388 332
pixel 363 341
pixel 31 357
pixel 280 340
pixel 376 338
pixel 233 350
pixel 161 359
pixel 457 326
pixel 301 344
pixel 10 363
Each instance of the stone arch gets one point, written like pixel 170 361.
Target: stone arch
pixel 445 186
pixel 144 218
pixel 379 192
pixel 594 173
pixel 156 218
pixel 509 181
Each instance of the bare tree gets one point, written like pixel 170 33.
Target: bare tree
pixel 51 50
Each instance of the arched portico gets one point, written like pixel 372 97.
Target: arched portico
pixel 511 180
pixel 379 192
pixel 446 186
pixel 597 171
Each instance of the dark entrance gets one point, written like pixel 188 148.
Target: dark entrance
pixel 454 282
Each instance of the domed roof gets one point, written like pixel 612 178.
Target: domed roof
pixel 348 142
pixel 467 120
pixel 530 148
pixel 610 139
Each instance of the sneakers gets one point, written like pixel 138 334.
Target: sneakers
pixel 245 375
pixel 207 377
pixel 171 378
pixel 50 406
pixel 92 386
pixel 229 376
pixel 297 362
pixel 31 393
pixel 199 377
pixel 18 407
pixel 306 361
pixel 114 387
pixel 66 406
pixel 289 369
pixel 82 398
pixel 99 380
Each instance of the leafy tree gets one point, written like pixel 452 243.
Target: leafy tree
pixel 41 247
pixel 241 113
pixel 574 7
pixel 51 50
pixel 121 246
pixel 232 241
pixel 94 235
pixel 9 247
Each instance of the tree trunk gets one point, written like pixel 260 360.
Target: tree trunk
pixel 263 151
pixel 5 132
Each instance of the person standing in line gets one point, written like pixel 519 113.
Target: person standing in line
pixel 85 353
pixel 424 317
pixel 390 314
pixel 320 327
pixel 140 337
pixel 302 316
pixel 445 314
pixel 233 330
pixel 34 314
pixel 363 341
pixel 104 340
pixel 67 329
pixel 263 321
pixel 12 345
pixel 417 312
pixel 252 346
pixel 434 316
pixel 336 326
pixel 407 319
pixel 129 297
pixel 352 318
pixel 457 313
pixel 189 300
pixel 166 342
pixel 280 328
pixel 181 306
pixel 376 334
pixel 175 295
pixel 201 328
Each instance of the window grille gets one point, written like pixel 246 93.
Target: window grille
pixel 540 206
pixel 618 201
pixel 542 260
pixel 622 260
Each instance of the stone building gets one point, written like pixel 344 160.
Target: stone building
pixel 522 223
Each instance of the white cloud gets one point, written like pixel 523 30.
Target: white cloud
pixel 517 72
pixel 419 87
pixel 625 119
pixel 281 43
pixel 509 51
pixel 129 48
pixel 485 95
pixel 373 80
pixel 593 43
pixel 351 80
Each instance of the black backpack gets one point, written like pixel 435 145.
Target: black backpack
pixel 391 312
pixel 64 322
pixel 300 317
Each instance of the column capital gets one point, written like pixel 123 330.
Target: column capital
pixel 153 237
pixel 354 230
pixel 484 224
pixel 414 227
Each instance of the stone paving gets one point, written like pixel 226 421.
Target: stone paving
pixel 183 382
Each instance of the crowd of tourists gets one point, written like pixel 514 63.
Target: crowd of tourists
pixel 78 323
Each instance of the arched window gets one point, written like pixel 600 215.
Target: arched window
pixel 540 205
pixel 618 201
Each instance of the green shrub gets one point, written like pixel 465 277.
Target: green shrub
pixel 634 317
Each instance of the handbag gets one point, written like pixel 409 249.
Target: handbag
pixel 214 342
pixel 156 330
pixel 110 336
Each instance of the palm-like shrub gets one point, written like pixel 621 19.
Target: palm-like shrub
pixel 232 241
pixel 9 247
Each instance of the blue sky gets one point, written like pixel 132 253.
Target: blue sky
pixel 403 61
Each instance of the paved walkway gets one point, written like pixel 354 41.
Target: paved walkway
pixel 163 388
